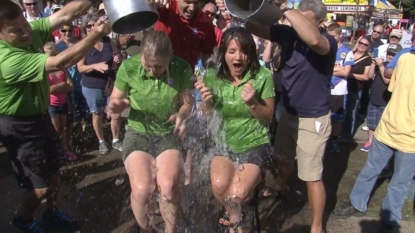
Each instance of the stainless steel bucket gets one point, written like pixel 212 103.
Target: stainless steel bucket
pixel 262 12
pixel 130 16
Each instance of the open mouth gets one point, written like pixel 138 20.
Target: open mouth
pixel 237 66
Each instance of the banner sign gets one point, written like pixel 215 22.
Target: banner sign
pixel 406 41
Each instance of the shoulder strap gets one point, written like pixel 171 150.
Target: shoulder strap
pixel 360 59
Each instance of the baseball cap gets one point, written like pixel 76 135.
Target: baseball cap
pixel 66 26
pixel 393 49
pixel 56 8
pixel 396 32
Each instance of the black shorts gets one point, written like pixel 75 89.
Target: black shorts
pixel 33 147
pixel 260 156
pixel 338 111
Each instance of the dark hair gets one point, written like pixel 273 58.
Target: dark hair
pixel 9 10
pixel 247 44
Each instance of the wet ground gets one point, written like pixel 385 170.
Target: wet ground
pixel 95 191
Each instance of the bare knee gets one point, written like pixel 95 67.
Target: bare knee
pixel 141 192
pixel 240 196
pixel 220 186
pixel 168 190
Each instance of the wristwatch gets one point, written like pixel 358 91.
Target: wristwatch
pixel 287 7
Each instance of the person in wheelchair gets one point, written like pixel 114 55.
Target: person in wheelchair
pixel 242 92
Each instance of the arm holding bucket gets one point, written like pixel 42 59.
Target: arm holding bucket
pixel 308 32
pixel 71 11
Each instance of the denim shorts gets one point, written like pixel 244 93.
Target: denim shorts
pixel 95 98
pixel 61 110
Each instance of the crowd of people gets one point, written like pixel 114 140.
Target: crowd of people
pixel 284 93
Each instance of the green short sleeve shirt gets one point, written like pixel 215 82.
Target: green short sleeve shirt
pixel 24 86
pixel 242 130
pixel 153 99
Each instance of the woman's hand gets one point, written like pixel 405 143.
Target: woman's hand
pixel 101 67
pixel 180 126
pixel 248 95
pixel 117 105
pixel 204 93
pixel 378 61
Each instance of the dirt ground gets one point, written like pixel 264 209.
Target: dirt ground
pixel 95 191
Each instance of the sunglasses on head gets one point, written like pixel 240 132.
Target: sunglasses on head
pixel 89 26
pixel 31 4
pixel 65 31
pixel 363 44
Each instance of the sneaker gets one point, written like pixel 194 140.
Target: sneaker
pixel 31 227
pixel 366 147
pixel 347 211
pixel 70 156
pixel 117 145
pixel 365 128
pixel 104 148
pixel 57 220
pixel 334 147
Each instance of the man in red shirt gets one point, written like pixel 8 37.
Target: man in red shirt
pixel 190 30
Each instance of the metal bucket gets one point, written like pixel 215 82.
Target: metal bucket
pixel 130 16
pixel 263 12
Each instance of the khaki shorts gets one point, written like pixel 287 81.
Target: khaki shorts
pixel 303 139
pixel 154 145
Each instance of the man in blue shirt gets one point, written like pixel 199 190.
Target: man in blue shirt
pixel 308 59
pixel 343 65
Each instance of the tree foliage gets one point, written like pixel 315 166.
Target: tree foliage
pixel 408 6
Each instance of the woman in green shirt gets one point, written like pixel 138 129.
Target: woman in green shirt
pixel 158 86
pixel 242 92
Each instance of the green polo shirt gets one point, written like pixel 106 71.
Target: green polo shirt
pixel 24 86
pixel 242 130
pixel 153 99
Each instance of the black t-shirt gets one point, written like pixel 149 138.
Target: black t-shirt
pixel 95 79
pixel 306 74
pixel 379 94
pixel 373 45
pixel 354 85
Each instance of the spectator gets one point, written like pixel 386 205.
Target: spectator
pixel 395 37
pixel 210 9
pixel 48 8
pixel 355 83
pixel 394 136
pixel 32 12
pixel 98 69
pixel 25 126
pixel 374 39
pixel 73 29
pixel 343 65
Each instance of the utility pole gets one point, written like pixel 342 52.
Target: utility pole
pixel 355 22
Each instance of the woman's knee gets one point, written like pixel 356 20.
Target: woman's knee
pixel 141 191
pixel 220 186
pixel 168 189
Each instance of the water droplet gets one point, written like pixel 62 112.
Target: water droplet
pixel 236 179
pixel 240 167
pixel 298 192
pixel 119 181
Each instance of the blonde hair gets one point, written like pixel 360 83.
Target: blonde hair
pixel 156 44
pixel 49 48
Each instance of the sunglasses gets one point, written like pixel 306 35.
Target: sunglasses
pixel 89 26
pixel 31 4
pixel 363 44
pixel 65 31
pixel 394 37
pixel 378 32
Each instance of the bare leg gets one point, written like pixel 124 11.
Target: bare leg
pixel 115 125
pixel 285 170
pixel 317 199
pixel 169 166
pixel 188 168
pixel 30 202
pixel 141 170
pixel 56 124
pixel 335 128
pixel 97 124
